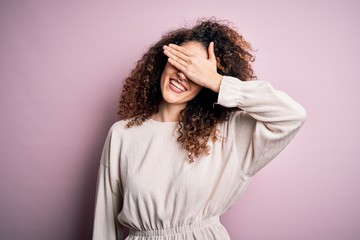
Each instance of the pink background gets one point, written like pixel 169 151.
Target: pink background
pixel 61 68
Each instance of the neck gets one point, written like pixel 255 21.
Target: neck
pixel 168 112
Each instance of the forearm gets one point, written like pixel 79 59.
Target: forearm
pixel 261 101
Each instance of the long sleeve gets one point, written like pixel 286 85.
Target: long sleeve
pixel 108 194
pixel 270 118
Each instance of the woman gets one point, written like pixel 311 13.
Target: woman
pixel 195 128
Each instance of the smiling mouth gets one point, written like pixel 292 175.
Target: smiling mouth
pixel 178 85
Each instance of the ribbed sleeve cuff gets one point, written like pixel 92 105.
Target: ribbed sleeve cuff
pixel 230 88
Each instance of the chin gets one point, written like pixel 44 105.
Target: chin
pixel 173 100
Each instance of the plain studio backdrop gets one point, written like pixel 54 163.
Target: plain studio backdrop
pixel 62 65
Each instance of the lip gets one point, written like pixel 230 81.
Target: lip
pixel 180 83
pixel 174 89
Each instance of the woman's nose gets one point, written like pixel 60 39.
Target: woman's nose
pixel 181 76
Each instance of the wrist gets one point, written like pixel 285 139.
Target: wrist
pixel 216 82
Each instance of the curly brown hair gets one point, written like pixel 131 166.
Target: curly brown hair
pixel 141 93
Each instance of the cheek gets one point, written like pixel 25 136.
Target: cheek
pixel 169 69
pixel 196 88
pixel 163 75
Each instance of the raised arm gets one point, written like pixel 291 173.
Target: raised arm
pixel 270 119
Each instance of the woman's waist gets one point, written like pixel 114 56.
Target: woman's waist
pixel 177 230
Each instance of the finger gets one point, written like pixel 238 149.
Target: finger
pixel 176 64
pixel 176 53
pixel 174 58
pixel 211 52
pixel 180 49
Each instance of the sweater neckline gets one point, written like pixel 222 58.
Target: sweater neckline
pixel 150 120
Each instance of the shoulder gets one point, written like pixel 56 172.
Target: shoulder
pixel 117 128
pixel 120 128
pixel 119 125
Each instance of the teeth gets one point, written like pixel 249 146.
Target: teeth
pixel 176 84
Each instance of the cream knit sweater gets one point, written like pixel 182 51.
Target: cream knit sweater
pixel 146 183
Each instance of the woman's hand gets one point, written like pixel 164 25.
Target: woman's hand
pixel 198 69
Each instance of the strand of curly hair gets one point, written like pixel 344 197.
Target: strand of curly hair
pixel 141 93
